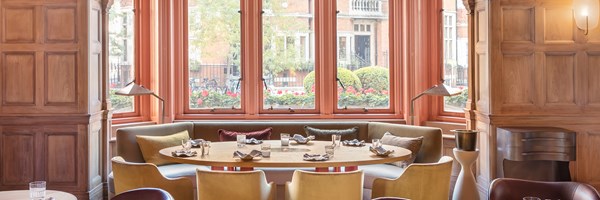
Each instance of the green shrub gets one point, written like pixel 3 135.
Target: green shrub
pixel 374 77
pixel 347 77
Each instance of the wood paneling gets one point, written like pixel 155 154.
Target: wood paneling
pixel 517 24
pixel 560 79
pixel 18 78
pixel 18 157
pixel 558 24
pixel 593 78
pixel 18 24
pixel 61 24
pixel 518 79
pixel 61 78
pixel 61 158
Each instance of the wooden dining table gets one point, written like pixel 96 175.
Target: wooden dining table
pixel 220 156
pixel 24 195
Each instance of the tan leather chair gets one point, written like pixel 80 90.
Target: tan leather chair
pixel 325 185
pixel 128 176
pixel 247 185
pixel 508 188
pixel 419 181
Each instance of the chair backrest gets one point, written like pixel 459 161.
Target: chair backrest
pixel 419 181
pixel 390 198
pixel 144 193
pixel 508 188
pixel 248 185
pixel 129 176
pixel 325 185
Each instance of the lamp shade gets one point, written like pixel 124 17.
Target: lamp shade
pixel 441 90
pixel 133 89
pixel 586 13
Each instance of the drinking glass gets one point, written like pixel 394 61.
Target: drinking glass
pixel 376 143
pixel 37 190
pixel 285 139
pixel 186 144
pixel 336 139
pixel 241 141
pixel 329 149
pixel 206 147
pixel 265 149
pixel 531 198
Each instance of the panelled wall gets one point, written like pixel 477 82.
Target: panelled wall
pixel 534 67
pixel 50 110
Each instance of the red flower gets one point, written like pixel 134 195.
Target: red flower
pixel 384 92
pixel 279 92
pixel 312 88
pixel 370 90
pixel 199 102
pixel 204 93
pixel 233 95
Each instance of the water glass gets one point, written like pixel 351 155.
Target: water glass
pixel 37 190
pixel 285 139
pixel 186 144
pixel 531 198
pixel 206 147
pixel 265 149
pixel 329 149
pixel 336 139
pixel 241 141
pixel 376 143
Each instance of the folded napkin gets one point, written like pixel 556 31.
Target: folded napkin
pixel 253 141
pixel 184 153
pixel 354 142
pixel 247 156
pixel 301 139
pixel 380 151
pixel 197 143
pixel 316 157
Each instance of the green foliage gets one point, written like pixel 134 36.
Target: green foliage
pixel 121 103
pixel 293 100
pixel 347 77
pixel 458 100
pixel 368 100
pixel 213 99
pixel 374 77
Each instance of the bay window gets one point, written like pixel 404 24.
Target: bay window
pixel 455 55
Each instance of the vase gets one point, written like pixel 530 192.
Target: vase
pixel 466 140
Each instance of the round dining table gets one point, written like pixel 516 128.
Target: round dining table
pixel 24 195
pixel 221 156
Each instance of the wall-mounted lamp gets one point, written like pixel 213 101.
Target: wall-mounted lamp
pixel 586 13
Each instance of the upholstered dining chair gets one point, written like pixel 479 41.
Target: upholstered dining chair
pixel 247 185
pixel 144 193
pixel 423 181
pixel 128 176
pixel 508 188
pixel 390 198
pixel 325 185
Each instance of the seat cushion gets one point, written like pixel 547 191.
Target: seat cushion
pixel 379 171
pixel 226 135
pixel 169 171
pixel 411 143
pixel 325 134
pixel 150 145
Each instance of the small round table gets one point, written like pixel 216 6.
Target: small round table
pixel 465 187
pixel 221 155
pixel 24 195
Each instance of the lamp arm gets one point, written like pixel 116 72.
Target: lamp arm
pixel 162 119
pixel 412 107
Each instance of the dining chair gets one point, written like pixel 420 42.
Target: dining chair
pixel 247 185
pixel 423 181
pixel 128 176
pixel 389 198
pixel 325 185
pixel 509 188
pixel 144 193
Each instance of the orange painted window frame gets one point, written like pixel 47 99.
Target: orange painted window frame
pixel 142 38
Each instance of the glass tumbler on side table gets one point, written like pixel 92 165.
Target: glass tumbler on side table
pixel 336 139
pixel 376 143
pixel 241 141
pixel 329 150
pixel 37 190
pixel 285 139
pixel 265 149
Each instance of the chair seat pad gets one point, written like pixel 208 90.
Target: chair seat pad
pixel 169 171
pixel 379 171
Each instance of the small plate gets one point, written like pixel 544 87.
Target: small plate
pixel 380 151
pixel 315 157
pixel 253 141
pixel 249 156
pixel 301 139
pixel 354 143
pixel 182 153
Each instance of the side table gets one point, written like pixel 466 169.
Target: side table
pixel 465 188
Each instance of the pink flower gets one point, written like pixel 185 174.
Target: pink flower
pixel 370 90
pixel 279 92
pixel 199 102
pixel 233 95
pixel 312 88
pixel 384 92
pixel 204 93
pixel 296 93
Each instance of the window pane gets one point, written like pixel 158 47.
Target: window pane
pixel 121 53
pixel 455 53
pixel 288 54
pixel 214 54
pixel 363 54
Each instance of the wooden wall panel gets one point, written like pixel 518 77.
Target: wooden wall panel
pixel 560 78
pixel 61 78
pixel 592 139
pixel 18 24
pixel 558 24
pixel 518 24
pixel 18 159
pixel 18 78
pixel 61 24
pixel 61 158
pixel 593 79
pixel 518 80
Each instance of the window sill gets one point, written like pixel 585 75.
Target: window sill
pixel 446 127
